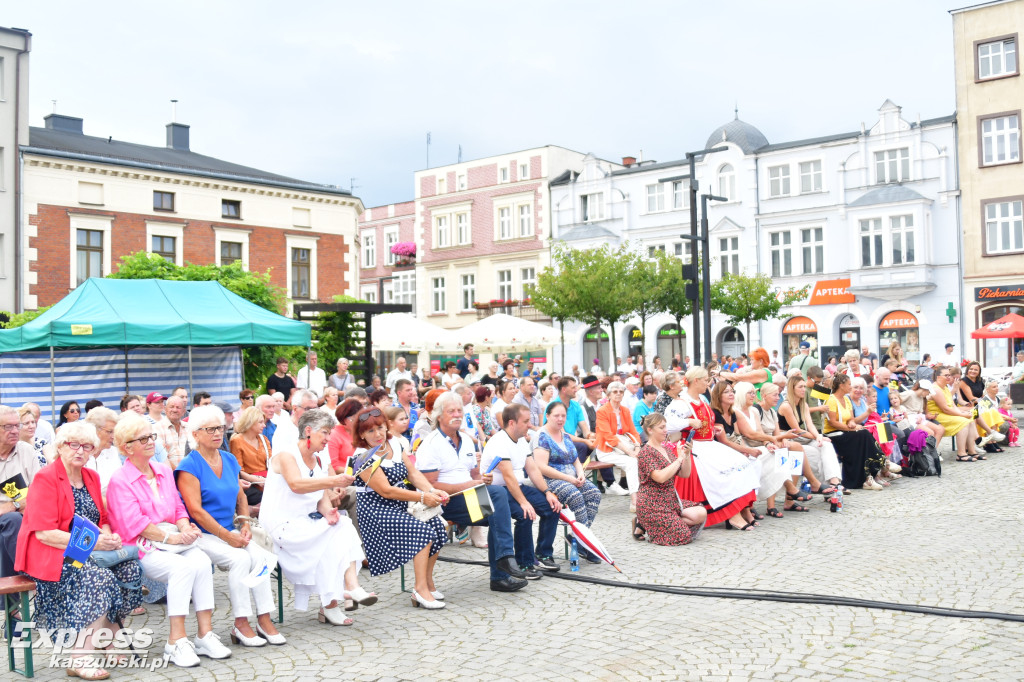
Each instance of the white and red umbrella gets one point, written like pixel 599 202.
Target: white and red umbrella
pixel 586 536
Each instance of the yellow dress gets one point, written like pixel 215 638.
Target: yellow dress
pixel 953 425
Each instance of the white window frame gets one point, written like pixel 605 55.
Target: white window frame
pixel 225 234
pixel 438 295
pixel 82 222
pixel 527 278
pixel 1010 226
pixel 1001 135
pixel 901 233
pixel 504 285
pixel 727 182
pixel 367 293
pixel 390 239
pixel 524 171
pixel 295 241
pixel 779 182
pixel 467 291
pixel 655 197
pixel 369 249
pixel 652 250
pixel 509 227
pixel 442 231
pixel 889 160
pixel 683 251
pixel 503 174
pixel 159 229
pixel 810 176
pixel 463 228
pixel 405 288
pixel 871 242
pixel 780 248
pixel 505 222
pixel 729 256
pixel 991 54
pixel 442 185
pixel 679 194
pixel 812 250
pixel 588 202
pixel 460 181
pixel 525 217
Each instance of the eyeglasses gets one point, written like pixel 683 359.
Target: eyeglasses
pixel 151 438
pixel 12 427
pixel 212 430
pixel 73 409
pixel 104 429
pixel 248 397
pixel 84 447
pixel 372 413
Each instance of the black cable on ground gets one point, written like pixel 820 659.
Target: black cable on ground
pixel 769 595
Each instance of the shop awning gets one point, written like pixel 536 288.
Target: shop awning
pixel 1009 327
pixel 898 319
pixel 800 325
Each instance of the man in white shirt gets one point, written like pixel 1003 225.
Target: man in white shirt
pixel 399 372
pixel 632 395
pixel 311 376
pixel 950 358
pixel 447 459
pixel 176 434
pixel 16 458
pixel 1018 369
pixel 528 494
pixel 286 435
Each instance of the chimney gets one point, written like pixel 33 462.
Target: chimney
pixel 177 136
pixel 65 124
pixel 628 161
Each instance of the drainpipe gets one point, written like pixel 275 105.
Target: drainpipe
pixel 757 239
pixel 959 234
pixel 17 176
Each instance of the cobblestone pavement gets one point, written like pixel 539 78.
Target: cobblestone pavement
pixel 953 541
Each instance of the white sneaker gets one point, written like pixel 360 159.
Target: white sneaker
pixel 869 484
pixel 616 489
pixel 997 437
pixel 985 440
pixel 181 653
pixel 210 646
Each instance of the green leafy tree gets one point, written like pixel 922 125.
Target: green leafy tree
pixel 751 298
pixel 610 293
pixel 18 319
pixel 648 279
pixel 671 297
pixel 556 293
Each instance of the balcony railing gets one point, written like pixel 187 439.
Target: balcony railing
pixel 515 308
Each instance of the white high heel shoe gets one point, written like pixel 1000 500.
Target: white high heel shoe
pixel 276 640
pixel 361 596
pixel 437 594
pixel 238 638
pixel 417 600
pixel 334 616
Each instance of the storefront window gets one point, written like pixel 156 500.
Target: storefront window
pixel 733 343
pixel 634 341
pixel 799 329
pixel 849 332
pixel 671 340
pixel 901 326
pixel 595 345
pixel 1001 352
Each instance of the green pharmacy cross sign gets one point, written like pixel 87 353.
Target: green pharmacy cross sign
pixel 951 312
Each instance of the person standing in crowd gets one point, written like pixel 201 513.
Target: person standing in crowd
pixel 950 358
pixel 310 376
pixel 868 358
pixel 405 392
pixel 776 364
pixel 341 379
pixel 399 372
pixel 448 460
pixel 467 357
pixel 801 361
pixel 281 381
pixel 491 378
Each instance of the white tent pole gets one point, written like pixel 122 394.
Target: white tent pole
pixel 53 389
pixel 190 371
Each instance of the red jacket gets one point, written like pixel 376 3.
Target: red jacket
pixel 607 430
pixel 51 507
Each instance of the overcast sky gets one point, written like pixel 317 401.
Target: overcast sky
pixel 329 91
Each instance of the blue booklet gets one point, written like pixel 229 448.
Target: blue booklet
pixel 84 535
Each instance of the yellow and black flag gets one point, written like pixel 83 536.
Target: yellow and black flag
pixel 884 431
pixel 478 503
pixel 820 392
pixel 14 487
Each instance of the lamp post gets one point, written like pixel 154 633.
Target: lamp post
pixel 706 266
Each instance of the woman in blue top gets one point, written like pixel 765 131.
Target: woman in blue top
pixel 208 482
pixel 556 457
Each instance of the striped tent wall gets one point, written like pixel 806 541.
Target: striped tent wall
pixel 102 373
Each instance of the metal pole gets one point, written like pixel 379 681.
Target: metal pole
pixel 368 347
pixel 53 389
pixel 127 383
pixel 705 273
pixel 190 371
pixel 692 158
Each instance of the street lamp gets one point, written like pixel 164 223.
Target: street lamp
pixel 706 265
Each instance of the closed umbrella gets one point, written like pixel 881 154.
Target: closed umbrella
pixel 585 535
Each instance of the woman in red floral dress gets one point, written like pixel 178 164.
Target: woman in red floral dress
pixel 660 512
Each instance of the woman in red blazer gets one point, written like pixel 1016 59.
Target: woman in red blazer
pixel 617 440
pixel 88 597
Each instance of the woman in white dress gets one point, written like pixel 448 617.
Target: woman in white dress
pixel 317 549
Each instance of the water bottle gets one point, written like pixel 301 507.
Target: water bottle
pixel 806 487
pixel 574 555
pixel 836 500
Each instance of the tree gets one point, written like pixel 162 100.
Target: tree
pixel 255 287
pixel 672 295
pixel 610 293
pixel 749 298
pixel 647 281
pixel 18 319
pixel 555 293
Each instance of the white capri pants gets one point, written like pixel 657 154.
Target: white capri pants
pixel 823 460
pixel 238 562
pixel 620 459
pixel 188 574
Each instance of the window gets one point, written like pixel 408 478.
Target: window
pixel 503 174
pixel 782 254
pixel 369 250
pixel 592 207
pixel 1004 229
pixel 163 201
pixel 300 273
pixel 892 166
pixel 230 209
pixel 230 252
pixel 461 181
pixel 462 228
pixel 902 228
pixel 505 285
pixel 524 171
pixel 997 58
pixel 164 246
pixel 468 297
pixel 652 251
pixel 778 181
pixel 504 223
pixel 369 295
pixel 440 185
pixel 655 198
pixel 871 242
pixel 727 182
pixel 390 239
pixel 90 254
pixel 405 289
pixel 443 238
pixel 438 304
pixel 529 280
pixel 729 253
pixel 813 247
pixel 525 220
pixel 683 250
pixel 810 176
pixel 678 195
pixel 1000 140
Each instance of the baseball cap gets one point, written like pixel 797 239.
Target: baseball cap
pixel 805 344
pixel 950 345
pixel 225 407
pixel 925 384
pixel 154 397
pixel 632 381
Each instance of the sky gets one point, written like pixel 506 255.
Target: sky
pixel 328 91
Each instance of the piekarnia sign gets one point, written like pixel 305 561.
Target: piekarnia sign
pixel 997 293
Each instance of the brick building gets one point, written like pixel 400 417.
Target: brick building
pixel 90 200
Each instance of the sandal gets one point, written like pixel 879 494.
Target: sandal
pixel 965 458
pixel 980 458
pixel 798 497
pixel 729 526
pixel 757 517
pixel 824 491
pixel 796 508
pixel 773 512
pixel 636 527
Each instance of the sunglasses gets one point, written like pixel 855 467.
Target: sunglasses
pixel 372 413
pixel 73 409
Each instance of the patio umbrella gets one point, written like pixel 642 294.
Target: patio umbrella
pixel 587 537
pixel 404 332
pixel 507 332
pixel 1008 327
